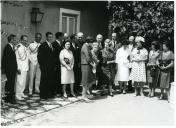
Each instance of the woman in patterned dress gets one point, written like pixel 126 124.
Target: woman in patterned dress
pixel 165 64
pixel 138 72
pixel 152 72
pixel 108 59
pixel 67 63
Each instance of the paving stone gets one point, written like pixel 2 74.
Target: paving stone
pixel 34 98
pixel 63 103
pixel 21 115
pixel 47 107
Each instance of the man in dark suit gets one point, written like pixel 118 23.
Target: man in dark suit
pixel 47 65
pixel 75 48
pixel 9 65
pixel 79 41
pixel 57 45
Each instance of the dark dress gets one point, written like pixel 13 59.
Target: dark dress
pixel 165 75
pixel 9 64
pixel 152 70
pixel 56 51
pixel 107 76
pixel 99 69
pixel 47 65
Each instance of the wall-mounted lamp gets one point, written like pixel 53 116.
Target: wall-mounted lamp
pixel 36 15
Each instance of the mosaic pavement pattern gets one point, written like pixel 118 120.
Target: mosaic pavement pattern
pixel 13 113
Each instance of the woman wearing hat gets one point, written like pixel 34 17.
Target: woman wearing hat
pixel 122 61
pixel 151 67
pixel 139 56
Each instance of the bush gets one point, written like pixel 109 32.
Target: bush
pixel 154 20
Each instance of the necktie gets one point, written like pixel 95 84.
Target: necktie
pixel 51 46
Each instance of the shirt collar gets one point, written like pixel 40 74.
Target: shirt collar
pixel 58 42
pixel 11 45
pixel 36 42
pixel 48 43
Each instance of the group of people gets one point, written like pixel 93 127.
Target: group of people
pixel 84 64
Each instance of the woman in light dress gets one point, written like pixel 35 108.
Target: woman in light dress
pixel 67 63
pixel 122 61
pixel 138 57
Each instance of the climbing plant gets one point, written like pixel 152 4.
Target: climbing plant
pixel 153 20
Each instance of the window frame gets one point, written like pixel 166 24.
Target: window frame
pixel 71 12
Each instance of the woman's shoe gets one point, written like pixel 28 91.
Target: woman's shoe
pixel 124 92
pixel 135 95
pixel 161 97
pixel 149 95
pixel 111 94
pixel 65 95
pixel 152 95
pixel 72 95
pixel 121 91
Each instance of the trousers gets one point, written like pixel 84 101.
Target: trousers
pixel 20 84
pixel 35 75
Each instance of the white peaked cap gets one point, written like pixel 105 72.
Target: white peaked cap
pixel 139 38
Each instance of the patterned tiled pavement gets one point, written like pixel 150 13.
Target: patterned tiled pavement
pixel 13 113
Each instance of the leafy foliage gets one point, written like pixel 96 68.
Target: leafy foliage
pixel 153 20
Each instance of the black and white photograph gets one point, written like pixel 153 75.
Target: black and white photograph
pixel 87 63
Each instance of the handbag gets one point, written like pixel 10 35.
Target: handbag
pixel 153 71
pixel 67 61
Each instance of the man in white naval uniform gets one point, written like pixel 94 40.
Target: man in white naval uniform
pixel 23 67
pixel 35 72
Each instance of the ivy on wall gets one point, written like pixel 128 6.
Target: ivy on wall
pixel 13 3
pixel 153 20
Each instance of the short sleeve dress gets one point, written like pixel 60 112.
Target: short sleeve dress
pixel 152 77
pixel 165 75
pixel 138 71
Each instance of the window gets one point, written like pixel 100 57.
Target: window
pixel 69 21
pixel 69 24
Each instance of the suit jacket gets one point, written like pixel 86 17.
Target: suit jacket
pixel 85 54
pixel 46 58
pixel 57 49
pixel 9 62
